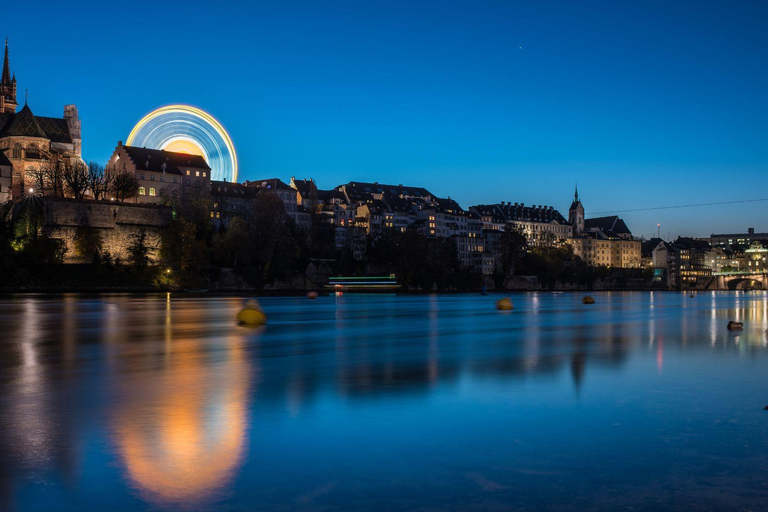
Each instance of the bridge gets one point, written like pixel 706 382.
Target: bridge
pixel 744 280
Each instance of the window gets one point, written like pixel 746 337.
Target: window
pixel 142 175
pixel 151 177
pixel 187 180
pixel 204 174
pixel 17 151
pixel 162 179
pixel 174 179
pixel 152 191
pixel 197 173
pixel 187 172
pixel 142 191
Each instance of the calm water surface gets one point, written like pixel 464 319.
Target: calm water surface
pixel 643 401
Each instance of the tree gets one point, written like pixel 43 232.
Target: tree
pixel 48 178
pixel 233 246
pixel 176 244
pixel 124 184
pixel 139 251
pixel 512 246
pixel 87 242
pixel 546 239
pixel 76 178
pixel 99 180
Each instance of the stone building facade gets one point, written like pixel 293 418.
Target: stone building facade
pixel 29 141
pixel 603 241
pixel 164 176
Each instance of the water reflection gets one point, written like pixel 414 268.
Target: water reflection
pixel 184 405
pixel 179 421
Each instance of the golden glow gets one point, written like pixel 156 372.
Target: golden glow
pixel 184 146
pixel 205 116
pixel 181 430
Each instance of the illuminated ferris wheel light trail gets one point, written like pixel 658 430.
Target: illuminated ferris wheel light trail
pixel 186 129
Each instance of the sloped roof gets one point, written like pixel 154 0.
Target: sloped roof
pixel 507 212
pixel 270 183
pixel 26 124
pixel 227 189
pixel 4 160
pixel 648 246
pixel 610 224
pixel 327 195
pixel 380 188
pixel 153 159
pixel 305 187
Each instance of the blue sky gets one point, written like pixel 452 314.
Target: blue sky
pixel 643 103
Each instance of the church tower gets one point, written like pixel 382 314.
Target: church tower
pixel 576 214
pixel 7 87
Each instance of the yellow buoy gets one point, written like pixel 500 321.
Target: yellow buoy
pixel 588 300
pixel 251 314
pixel 504 304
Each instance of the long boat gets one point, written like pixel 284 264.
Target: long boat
pixel 362 283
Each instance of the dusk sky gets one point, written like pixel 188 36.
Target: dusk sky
pixel 651 104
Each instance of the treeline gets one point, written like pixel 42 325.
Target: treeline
pixel 265 251
pixel 77 180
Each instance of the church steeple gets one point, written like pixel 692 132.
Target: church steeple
pixel 6 80
pixel 576 214
pixel 7 86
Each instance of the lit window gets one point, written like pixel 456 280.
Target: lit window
pixel 152 191
pixel 204 174
pixel 142 191
pixel 187 172
pixel 197 173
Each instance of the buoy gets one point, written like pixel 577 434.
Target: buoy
pixel 504 304
pixel 735 326
pixel 251 314
pixel 312 295
pixel 588 300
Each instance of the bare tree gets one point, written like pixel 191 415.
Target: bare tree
pixel 76 178
pixel 124 184
pixel 38 175
pixel 48 178
pixel 99 180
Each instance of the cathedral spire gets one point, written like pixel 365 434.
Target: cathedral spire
pixel 576 194
pixel 6 80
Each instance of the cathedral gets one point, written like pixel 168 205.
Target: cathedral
pixel 28 141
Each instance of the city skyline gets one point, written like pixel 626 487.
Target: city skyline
pixel 531 101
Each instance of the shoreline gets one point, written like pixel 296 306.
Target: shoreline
pixel 303 292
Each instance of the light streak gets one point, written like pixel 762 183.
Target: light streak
pixel 183 126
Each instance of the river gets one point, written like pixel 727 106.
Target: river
pixel 642 401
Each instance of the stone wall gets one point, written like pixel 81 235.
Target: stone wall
pixel 116 223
